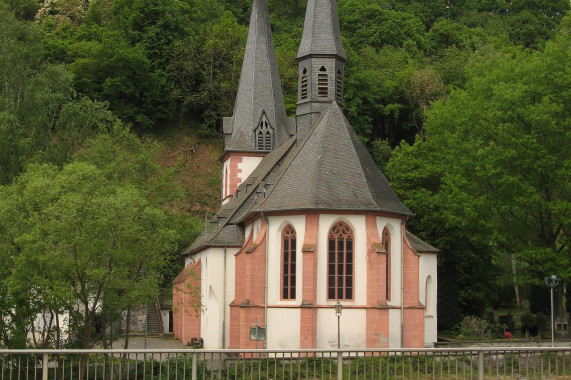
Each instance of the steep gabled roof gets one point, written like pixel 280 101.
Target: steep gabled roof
pixel 331 170
pixel 227 230
pixel 259 90
pixel 321 32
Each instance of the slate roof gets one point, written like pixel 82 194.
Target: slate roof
pixel 419 245
pixel 321 32
pixel 225 228
pixel 329 170
pixel 259 90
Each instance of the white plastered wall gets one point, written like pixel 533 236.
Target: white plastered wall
pixel 352 324
pixel 277 224
pixel 428 269
pixel 284 324
pixel 248 165
pixel 395 229
pixel 217 284
pixel 283 329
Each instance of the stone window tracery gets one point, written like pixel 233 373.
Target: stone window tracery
pixel 288 263
pixel 340 262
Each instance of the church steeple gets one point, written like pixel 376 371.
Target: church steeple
pixel 321 60
pixel 260 123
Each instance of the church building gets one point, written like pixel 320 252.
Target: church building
pixel 307 219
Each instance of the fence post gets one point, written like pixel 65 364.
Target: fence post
pixel 339 365
pixel 194 366
pixel 45 367
pixel 480 365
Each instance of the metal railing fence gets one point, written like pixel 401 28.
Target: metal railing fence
pixel 481 363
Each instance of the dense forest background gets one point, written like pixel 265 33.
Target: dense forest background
pixel 465 105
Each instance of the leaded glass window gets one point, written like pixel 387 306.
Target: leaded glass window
pixel 288 263
pixel 340 262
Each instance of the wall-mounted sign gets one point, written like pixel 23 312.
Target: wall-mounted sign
pixel 257 333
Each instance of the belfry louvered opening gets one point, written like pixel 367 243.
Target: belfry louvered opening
pixel 264 136
pixel 304 84
pixel 322 83
pixel 339 86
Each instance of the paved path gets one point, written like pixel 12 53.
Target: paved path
pixel 138 342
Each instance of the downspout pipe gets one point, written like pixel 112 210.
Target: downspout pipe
pixel 266 280
pixel 402 283
pixel 224 302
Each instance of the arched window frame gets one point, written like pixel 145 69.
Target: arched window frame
pixel 341 262
pixel 386 242
pixel 429 297
pixel 288 263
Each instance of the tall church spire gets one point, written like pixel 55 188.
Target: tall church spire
pixel 260 123
pixel 321 32
pixel 321 60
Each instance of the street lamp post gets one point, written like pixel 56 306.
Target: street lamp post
pixel 551 282
pixel 338 310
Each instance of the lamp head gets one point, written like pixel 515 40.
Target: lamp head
pixel 338 308
pixel 551 281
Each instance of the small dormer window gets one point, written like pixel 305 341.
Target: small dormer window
pixel 304 84
pixel 264 136
pixel 322 83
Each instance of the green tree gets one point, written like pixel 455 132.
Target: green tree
pixel 496 159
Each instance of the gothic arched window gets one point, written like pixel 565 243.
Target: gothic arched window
pixel 288 263
pixel 387 245
pixel 304 84
pixel 322 83
pixel 340 262
pixel 264 137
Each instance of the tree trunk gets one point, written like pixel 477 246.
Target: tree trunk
pixel 127 328
pixel 516 282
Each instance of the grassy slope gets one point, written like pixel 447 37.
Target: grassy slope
pixel 201 167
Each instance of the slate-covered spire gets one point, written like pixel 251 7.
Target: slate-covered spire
pixel 321 64
pixel 321 32
pixel 260 122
